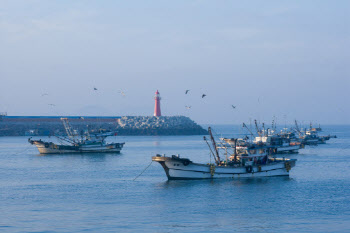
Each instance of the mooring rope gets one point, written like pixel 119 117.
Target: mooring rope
pixel 22 151
pixel 143 171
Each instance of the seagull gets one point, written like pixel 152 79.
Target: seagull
pixel 52 105
pixel 95 89
pixel 204 95
pixel 186 91
pixel 233 106
pixel 188 107
pixel 122 92
pixel 44 94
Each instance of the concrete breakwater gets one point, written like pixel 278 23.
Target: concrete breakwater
pixel 126 125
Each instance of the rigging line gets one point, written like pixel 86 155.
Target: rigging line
pixel 143 171
pixel 225 147
pixel 220 142
pixel 205 139
pixel 28 147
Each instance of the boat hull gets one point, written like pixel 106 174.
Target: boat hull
pixel 288 149
pixel 51 148
pixel 175 169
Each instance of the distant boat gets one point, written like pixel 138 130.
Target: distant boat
pixel 248 162
pixel 311 137
pixel 74 143
pixel 279 144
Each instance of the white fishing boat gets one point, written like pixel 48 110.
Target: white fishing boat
pixel 74 143
pixel 279 144
pixel 247 162
pixel 275 144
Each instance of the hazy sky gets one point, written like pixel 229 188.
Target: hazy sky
pixel 289 59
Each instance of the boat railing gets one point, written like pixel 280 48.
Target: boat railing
pixel 278 159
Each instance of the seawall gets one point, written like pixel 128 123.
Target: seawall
pixel 126 125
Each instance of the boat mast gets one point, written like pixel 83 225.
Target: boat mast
pixel 235 150
pixel 68 129
pixel 273 124
pixel 244 125
pixel 205 139
pixel 297 127
pixel 257 128
pixel 214 145
pixel 263 125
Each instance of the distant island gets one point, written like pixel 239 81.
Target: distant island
pixel 125 125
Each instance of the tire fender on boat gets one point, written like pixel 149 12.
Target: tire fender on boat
pixel 287 166
pixel 186 162
pixel 249 169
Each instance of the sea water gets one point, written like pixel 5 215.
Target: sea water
pixel 97 192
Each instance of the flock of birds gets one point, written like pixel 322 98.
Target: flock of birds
pixel 123 94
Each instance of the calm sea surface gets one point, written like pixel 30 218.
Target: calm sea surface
pixel 96 192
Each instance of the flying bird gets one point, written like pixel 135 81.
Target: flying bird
pixel 122 92
pixel 188 107
pixel 186 91
pixel 204 95
pixel 95 89
pixel 52 105
pixel 233 106
pixel 44 94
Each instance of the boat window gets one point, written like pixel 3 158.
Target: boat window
pixel 261 151
pixel 252 152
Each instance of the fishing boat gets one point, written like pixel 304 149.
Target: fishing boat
pixel 247 162
pixel 93 142
pixel 317 129
pixel 278 143
pixel 311 137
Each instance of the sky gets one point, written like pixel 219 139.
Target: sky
pixel 270 59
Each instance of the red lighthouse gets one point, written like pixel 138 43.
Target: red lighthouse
pixel 157 104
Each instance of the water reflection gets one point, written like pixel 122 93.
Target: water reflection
pixel 95 157
pixel 156 143
pixel 219 182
